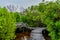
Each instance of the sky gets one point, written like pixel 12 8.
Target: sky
pixel 21 3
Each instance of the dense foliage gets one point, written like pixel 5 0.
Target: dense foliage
pixel 17 16
pixel 7 24
pixel 50 16
pixel 30 16
pixel 46 13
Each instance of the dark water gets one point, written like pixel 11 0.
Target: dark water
pixel 23 36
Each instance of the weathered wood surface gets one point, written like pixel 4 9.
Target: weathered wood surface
pixel 36 34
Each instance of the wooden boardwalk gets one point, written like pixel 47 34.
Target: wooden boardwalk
pixel 35 34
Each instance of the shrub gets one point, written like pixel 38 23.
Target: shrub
pixel 17 16
pixel 7 24
pixel 50 16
